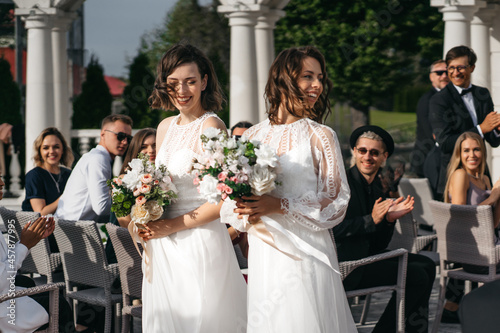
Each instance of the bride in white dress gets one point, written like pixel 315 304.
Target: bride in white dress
pixel 297 289
pixel 196 284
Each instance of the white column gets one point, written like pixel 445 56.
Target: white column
pixel 495 87
pixel 456 22
pixel 39 80
pixel 480 43
pixel 264 45
pixel 62 106
pixel 243 104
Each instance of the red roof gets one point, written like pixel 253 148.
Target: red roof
pixel 116 86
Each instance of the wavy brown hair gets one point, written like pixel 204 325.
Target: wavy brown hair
pixel 180 54
pixel 134 148
pixel 456 159
pixel 67 155
pixel 282 88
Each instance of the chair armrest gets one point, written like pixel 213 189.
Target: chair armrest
pixel 346 267
pixel 422 241
pixel 113 271
pixel 31 291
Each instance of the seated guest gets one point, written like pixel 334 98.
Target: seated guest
pixel 368 227
pixel 87 196
pixel 144 141
pixel 30 311
pixel 239 128
pixel 468 185
pixel 46 182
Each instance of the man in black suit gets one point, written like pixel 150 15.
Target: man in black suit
pixel 367 230
pixel 425 142
pixel 461 107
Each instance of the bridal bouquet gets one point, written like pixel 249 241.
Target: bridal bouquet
pixel 231 169
pixel 142 192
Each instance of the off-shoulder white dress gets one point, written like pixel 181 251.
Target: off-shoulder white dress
pixel 304 294
pixel 196 285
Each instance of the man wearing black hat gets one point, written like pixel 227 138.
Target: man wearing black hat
pixel 368 227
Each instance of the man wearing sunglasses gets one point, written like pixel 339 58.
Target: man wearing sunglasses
pixel 86 196
pixel 461 107
pixel 368 227
pixel 424 141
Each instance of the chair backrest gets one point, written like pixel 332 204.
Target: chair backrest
pixel 82 253
pixel 405 234
pixel 420 189
pixel 39 259
pixel 129 260
pixel 465 233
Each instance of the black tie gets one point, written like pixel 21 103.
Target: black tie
pixel 465 91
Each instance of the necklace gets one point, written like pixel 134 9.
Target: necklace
pixel 475 177
pixel 56 182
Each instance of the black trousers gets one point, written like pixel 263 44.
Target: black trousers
pixel 419 280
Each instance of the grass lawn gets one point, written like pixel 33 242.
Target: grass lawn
pixel 387 120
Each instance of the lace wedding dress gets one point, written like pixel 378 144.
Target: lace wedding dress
pixel 196 284
pixel 305 293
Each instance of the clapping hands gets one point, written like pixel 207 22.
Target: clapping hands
pixel 35 231
pixel 391 209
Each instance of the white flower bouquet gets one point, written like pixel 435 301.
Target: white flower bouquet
pixel 142 192
pixel 231 169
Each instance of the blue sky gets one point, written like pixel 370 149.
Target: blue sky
pixel 113 29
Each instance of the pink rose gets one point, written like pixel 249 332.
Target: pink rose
pixel 137 193
pixel 234 179
pixel 224 195
pixel 222 176
pixel 228 190
pixel 118 181
pixel 146 178
pixel 141 200
pixel 221 187
pixel 145 188
pixel 196 181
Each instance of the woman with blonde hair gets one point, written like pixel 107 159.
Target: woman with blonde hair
pixel 46 182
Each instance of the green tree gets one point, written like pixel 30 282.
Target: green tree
pixel 10 96
pixel 201 26
pixel 136 93
pixel 94 103
pixel 372 47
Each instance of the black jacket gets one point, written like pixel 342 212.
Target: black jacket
pixel 450 118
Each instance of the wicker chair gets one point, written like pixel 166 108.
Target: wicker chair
pixel 129 263
pixel 420 189
pixel 85 263
pixel 40 260
pixel 53 289
pixel 465 236
pixel 346 267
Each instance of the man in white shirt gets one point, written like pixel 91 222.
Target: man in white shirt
pixel 460 107
pixel 87 196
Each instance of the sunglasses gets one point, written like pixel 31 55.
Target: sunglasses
pixel 372 152
pixel 121 136
pixel 439 73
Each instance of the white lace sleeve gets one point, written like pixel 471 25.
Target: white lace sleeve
pixel 327 207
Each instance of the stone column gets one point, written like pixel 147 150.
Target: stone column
pixel 264 44
pixel 457 21
pixel 243 67
pixel 62 106
pixel 480 43
pixel 495 87
pixel 39 77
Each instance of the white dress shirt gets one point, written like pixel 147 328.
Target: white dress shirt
pixel 87 196
pixel 469 104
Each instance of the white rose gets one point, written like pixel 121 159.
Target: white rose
pixel 136 165
pixel 262 180
pixel 208 188
pixel 131 179
pixel 266 156
pixel 150 211
pixel 211 132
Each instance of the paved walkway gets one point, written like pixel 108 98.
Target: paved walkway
pixel 379 301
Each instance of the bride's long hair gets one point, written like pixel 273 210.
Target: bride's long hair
pixel 282 87
pixel 179 54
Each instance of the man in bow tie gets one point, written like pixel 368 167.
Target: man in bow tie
pixel 461 107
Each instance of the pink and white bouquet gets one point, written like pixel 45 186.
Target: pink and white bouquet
pixel 231 168
pixel 142 192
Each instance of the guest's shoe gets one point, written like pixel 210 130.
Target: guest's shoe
pixel 450 317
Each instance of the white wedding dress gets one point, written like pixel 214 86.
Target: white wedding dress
pixel 196 284
pixel 304 294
